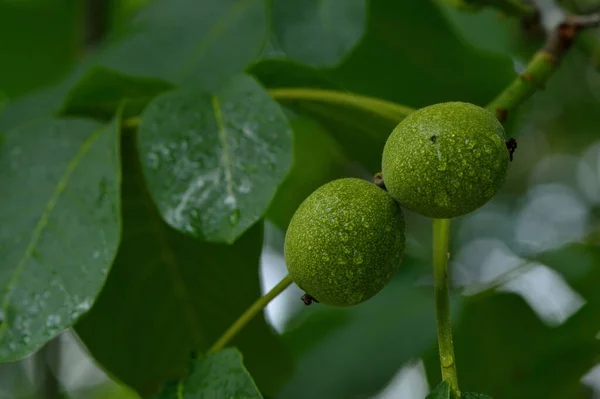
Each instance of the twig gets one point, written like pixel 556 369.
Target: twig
pixel 543 64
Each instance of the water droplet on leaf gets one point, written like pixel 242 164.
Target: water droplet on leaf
pixel 234 217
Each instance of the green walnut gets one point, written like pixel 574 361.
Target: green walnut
pixel 445 160
pixel 345 242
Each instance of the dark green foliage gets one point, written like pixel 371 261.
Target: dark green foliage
pixel 214 160
pixel 101 91
pixel 171 294
pixel 320 33
pixel 192 43
pixel 221 375
pixel 58 178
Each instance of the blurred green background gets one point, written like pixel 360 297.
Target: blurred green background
pixel 525 268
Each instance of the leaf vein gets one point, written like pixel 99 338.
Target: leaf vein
pixel 45 218
pixel 225 156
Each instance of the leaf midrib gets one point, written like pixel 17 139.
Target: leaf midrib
pixel 225 156
pixel 44 219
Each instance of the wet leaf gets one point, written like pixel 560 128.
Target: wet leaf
pixel 442 391
pixel 214 161
pixel 318 32
pixel 171 295
pixel 221 375
pixel 60 227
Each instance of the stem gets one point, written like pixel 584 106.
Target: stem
pixel 538 71
pixel 441 234
pixel 252 311
pixel 543 64
pixel 386 109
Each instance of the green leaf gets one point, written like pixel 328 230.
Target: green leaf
pixel 318 159
pixel 189 42
pixel 101 91
pixel 3 101
pixel 473 395
pixel 39 40
pixel 319 32
pixel 34 107
pixel 490 30
pixel 361 133
pixel 411 55
pixel 221 375
pixel 60 227
pixel 214 161
pixel 442 391
pixel 169 294
pixel 274 73
pixel 41 104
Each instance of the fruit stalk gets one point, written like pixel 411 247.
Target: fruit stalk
pixel 441 233
pixel 249 314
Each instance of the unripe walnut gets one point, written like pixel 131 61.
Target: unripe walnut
pixel 345 242
pixel 445 160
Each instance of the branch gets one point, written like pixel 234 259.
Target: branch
pixel 543 64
